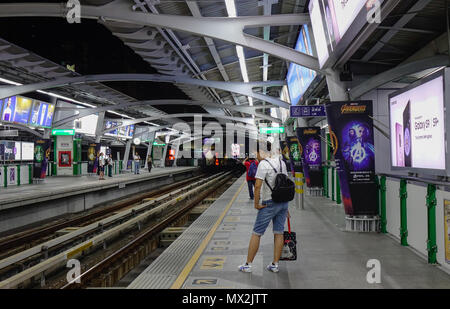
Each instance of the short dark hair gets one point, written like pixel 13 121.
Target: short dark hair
pixel 269 146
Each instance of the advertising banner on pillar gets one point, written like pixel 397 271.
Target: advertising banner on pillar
pixel 41 157
pixel 93 152
pixel 447 230
pixel 310 152
pixel 285 154
pixel 351 132
pixel 294 153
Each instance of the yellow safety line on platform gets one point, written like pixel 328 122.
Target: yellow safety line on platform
pixel 188 268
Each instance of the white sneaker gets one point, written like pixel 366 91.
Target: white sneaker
pixel 273 268
pixel 245 268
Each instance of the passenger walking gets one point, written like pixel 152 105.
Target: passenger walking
pixel 269 166
pixel 137 163
pixel 149 163
pixel 101 166
pixel 251 166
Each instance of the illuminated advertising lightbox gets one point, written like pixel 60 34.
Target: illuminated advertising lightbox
pixel 22 110
pixel 10 151
pixel 417 125
pixel 299 78
pixel 27 151
pixel 42 114
pixel 9 109
pixel 332 19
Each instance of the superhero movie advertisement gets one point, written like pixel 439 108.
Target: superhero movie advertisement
pixel 93 152
pixel 285 154
pixel 294 153
pixel 310 152
pixel 352 137
pixel 41 158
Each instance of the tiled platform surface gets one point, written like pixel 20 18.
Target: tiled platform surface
pixel 329 257
pixel 57 187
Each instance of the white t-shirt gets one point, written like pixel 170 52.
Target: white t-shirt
pixel 265 171
pixel 101 160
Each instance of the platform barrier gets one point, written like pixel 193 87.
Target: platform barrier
pixel 362 224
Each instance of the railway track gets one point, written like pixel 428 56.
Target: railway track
pixel 128 235
pixel 31 237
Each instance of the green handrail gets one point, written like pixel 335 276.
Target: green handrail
pixel 431 242
pixel 338 190
pixel 403 213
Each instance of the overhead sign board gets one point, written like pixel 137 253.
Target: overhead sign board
pixel 308 111
pixel 60 132
pixel 273 130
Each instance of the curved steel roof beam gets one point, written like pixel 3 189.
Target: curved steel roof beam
pixel 222 28
pixel 89 111
pixel 127 122
pixel 245 89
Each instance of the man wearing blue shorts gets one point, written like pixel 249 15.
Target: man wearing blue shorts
pixel 268 211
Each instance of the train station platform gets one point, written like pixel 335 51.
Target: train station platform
pixel 22 205
pixel 208 253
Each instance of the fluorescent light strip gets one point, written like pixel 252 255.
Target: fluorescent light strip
pixel 231 10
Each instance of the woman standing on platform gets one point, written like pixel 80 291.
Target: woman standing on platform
pixel 101 166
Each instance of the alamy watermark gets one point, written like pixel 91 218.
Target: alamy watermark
pixel 73 275
pixel 373 11
pixel 73 15
pixel 374 274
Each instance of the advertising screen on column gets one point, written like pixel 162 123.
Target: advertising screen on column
pixel 299 78
pixel 352 137
pixel 417 125
pixel 331 20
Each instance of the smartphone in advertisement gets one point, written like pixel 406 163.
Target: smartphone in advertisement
pixel 407 137
pixel 400 145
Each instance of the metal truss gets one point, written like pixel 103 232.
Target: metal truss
pixel 222 28
pixel 89 111
pixel 235 87
pixel 127 122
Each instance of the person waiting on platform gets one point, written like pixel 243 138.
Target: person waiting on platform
pixel 137 163
pixel 149 163
pixel 269 161
pixel 251 166
pixel 101 166
pixel 109 162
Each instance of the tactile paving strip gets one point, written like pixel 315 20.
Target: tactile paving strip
pixel 163 272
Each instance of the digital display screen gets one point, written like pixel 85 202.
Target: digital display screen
pixel 417 126
pixel 10 151
pixel 126 131
pixel 22 110
pixel 27 151
pixel 42 114
pixel 9 109
pixel 330 21
pixel 111 124
pixel 299 78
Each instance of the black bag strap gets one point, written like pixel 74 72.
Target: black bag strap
pixel 276 172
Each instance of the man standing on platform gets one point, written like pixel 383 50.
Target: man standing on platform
pixel 137 162
pixel 270 164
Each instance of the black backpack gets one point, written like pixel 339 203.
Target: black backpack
pixel 284 190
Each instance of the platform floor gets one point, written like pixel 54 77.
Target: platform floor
pixel 53 186
pixel 207 255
